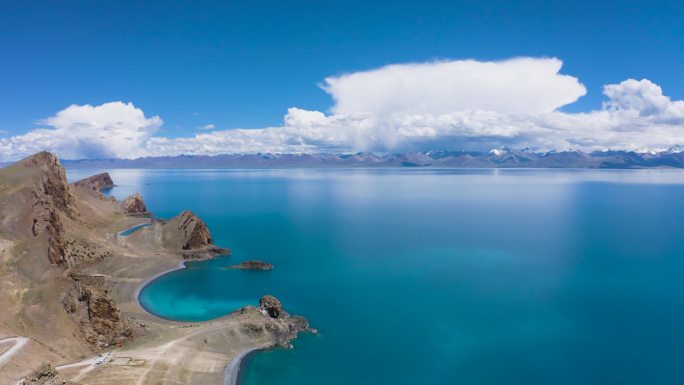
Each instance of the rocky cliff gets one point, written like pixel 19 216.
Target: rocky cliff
pixel 48 224
pixel 43 181
pixel 190 236
pixel 102 323
pixel 195 233
pixel 51 187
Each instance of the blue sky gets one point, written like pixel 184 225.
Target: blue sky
pixel 243 64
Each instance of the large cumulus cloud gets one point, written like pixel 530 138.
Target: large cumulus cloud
pixel 462 104
pixel 523 86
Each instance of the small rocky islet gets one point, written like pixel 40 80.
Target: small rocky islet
pixel 251 265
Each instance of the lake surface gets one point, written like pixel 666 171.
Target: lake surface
pixel 494 277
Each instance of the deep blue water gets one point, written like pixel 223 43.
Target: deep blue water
pixel 525 277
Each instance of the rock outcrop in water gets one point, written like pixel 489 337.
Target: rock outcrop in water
pixel 187 234
pixel 278 323
pixel 195 232
pixel 253 265
pixel 134 205
pixel 97 182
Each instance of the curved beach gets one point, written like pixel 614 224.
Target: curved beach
pixel 233 367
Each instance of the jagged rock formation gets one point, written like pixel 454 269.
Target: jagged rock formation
pixel 253 265
pixel 52 187
pixel 195 232
pixel 271 306
pixel 102 323
pixel 135 205
pixel 185 234
pixel 46 374
pixel 51 196
pixel 96 182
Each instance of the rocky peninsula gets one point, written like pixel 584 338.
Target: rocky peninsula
pixel 69 284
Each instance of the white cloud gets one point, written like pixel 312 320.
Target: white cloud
pixel 207 127
pixel 524 86
pixel 643 97
pixel 439 105
pixel 109 130
pixel 636 116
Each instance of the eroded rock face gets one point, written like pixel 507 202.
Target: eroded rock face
pixel 51 198
pixel 195 232
pixel 135 205
pixel 97 182
pixel 47 222
pixel 46 374
pixel 271 306
pixel 102 322
pixel 52 185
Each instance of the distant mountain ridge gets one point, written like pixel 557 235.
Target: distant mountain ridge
pixel 498 158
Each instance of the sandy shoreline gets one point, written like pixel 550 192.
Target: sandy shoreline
pixel 233 369
pixel 136 293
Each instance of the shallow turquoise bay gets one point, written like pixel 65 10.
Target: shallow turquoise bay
pixel 525 277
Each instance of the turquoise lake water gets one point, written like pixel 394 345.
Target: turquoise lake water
pixel 496 277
